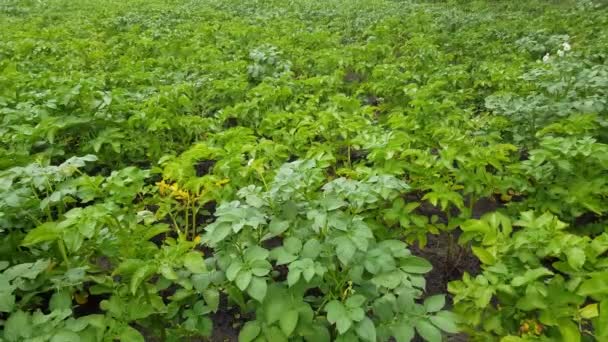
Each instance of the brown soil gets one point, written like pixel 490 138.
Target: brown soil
pixel 227 322
pixel 446 268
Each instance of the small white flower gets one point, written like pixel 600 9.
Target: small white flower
pixel 566 46
pixel 250 162
pixel 546 58
pixel 560 53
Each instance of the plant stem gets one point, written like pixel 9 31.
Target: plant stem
pixel 186 218
pixel 63 252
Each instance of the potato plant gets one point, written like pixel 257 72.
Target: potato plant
pixel 224 170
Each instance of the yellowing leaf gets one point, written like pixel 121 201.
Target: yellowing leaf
pixel 590 311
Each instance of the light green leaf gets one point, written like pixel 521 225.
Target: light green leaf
pixel 276 227
pixel 355 301
pixel 366 330
pixel 274 334
pixel 530 276
pixel 139 276
pixel 292 245
pixel 233 270
pixel 343 324
pixel 293 276
pixel 48 231
pixel 168 272
pixel 334 310
pixel 7 301
pixel 483 255
pixel 17 326
pixel 576 257
pixel 428 331
pixel 601 324
pixel 60 300
pixel 288 322
pixel 589 311
pixel 212 298
pixel 194 262
pixel 434 303
pixel 414 264
pixel 129 334
pixel 596 285
pixel 569 330
pixel 257 288
pixel 337 314
pixel 403 332
pixel 445 321
pixel 243 279
pixel 311 249
pixel 317 333
pixel 65 336
pixel 254 253
pixel 345 250
pixel 250 331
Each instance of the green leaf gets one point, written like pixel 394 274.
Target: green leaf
pixel 345 250
pixel 355 301
pixel 48 231
pixel 414 264
pixel 212 298
pixel 317 333
pixel 343 324
pixel 257 288
pixel 129 266
pixel 428 331
pixel 139 276
pixel 260 268
pixel 283 256
pixel 17 326
pixel 292 245
pixel 483 255
pixel 254 253
pixel 311 249
pixel 233 270
pixel 168 272
pixel 250 331
pixel 530 275
pixel 434 303
pixel 276 227
pixel 595 286
pixel 7 301
pixel 274 334
pixel 589 311
pixel 569 330
pixel 60 300
pixel 275 306
pixel 289 321
pixel 338 315
pixel 129 334
pixel 356 314
pixel 65 336
pixel 402 332
pixel 219 233
pixel 334 310
pixel 366 330
pixel 293 276
pixel 576 257
pixel 601 324
pixel 445 321
pixel 195 263
pixel 243 279
pixel 389 280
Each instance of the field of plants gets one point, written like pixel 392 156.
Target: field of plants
pixel 301 170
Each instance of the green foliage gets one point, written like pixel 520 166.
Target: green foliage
pixel 163 164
